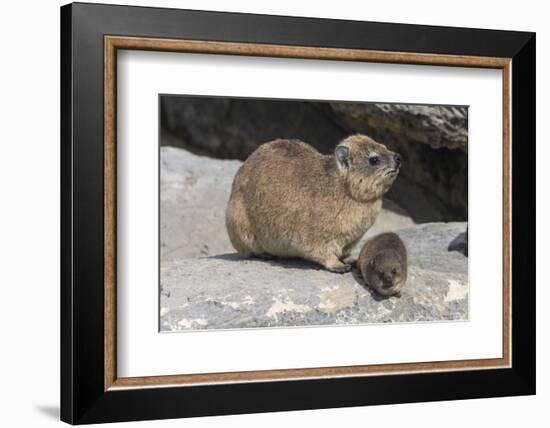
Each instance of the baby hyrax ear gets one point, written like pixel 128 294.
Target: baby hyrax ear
pixel 342 157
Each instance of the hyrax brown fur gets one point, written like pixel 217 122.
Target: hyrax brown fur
pixel 383 264
pixel 289 200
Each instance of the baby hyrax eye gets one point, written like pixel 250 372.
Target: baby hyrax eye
pixel 394 271
pixel 374 160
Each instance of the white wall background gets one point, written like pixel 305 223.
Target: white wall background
pixel 29 218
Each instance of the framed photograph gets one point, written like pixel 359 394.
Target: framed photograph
pixel 266 213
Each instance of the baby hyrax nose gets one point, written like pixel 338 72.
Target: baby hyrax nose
pixel 397 159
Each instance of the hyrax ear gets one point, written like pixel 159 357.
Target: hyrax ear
pixel 342 157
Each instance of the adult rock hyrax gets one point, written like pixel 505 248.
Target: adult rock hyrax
pixel 289 200
pixel 383 264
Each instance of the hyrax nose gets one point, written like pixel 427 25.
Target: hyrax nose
pixel 397 159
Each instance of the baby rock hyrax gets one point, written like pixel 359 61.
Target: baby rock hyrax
pixel 383 264
pixel 289 200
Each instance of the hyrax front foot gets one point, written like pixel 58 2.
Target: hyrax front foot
pixel 335 265
pixel 349 260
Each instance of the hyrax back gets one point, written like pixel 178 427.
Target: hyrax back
pixel 383 264
pixel 289 200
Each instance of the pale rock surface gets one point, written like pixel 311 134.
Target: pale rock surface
pixel 226 291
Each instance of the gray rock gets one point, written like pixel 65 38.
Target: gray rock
pixel 460 243
pixel 436 126
pixel 392 217
pixel 194 191
pixel 225 291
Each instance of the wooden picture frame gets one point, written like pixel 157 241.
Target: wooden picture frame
pixel 91 390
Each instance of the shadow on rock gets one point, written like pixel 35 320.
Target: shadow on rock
pixel 460 243
pixel 275 261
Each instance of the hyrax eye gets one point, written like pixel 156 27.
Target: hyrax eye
pixel 374 160
pixel 394 271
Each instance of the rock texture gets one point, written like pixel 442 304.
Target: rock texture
pixel 437 126
pixel 225 291
pixel 194 191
